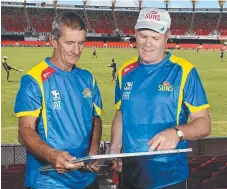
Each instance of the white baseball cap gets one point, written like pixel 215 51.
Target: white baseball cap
pixel 5 57
pixel 155 19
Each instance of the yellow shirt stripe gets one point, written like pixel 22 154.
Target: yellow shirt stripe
pixel 29 113
pixel 196 108
pixel 36 72
pixel 186 68
pixel 97 109
pixel 123 67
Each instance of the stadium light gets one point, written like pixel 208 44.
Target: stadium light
pixel 221 3
pixel 114 2
pixel 194 2
pixel 54 2
pixel 85 3
pixel 167 3
pixel 140 3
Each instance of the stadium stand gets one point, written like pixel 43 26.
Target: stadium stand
pixel 211 174
pixel 180 23
pixel 126 21
pixel 13 19
pixel 101 21
pixel 41 19
pixel 204 23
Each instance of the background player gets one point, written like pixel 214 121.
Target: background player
pixel 8 67
pixel 222 55
pixel 114 66
pixel 94 53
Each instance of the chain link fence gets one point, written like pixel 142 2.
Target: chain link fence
pixel 16 153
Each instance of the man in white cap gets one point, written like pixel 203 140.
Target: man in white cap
pixel 8 67
pixel 155 95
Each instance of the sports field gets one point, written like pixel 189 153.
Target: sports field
pixel 213 73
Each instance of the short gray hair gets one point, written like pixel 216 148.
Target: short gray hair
pixel 67 19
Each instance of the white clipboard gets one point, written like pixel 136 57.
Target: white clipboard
pixel 121 155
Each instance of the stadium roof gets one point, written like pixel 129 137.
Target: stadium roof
pixel 134 3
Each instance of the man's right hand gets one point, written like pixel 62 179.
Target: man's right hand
pixel 117 165
pixel 60 161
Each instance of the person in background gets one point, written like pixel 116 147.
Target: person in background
pixel 114 66
pixel 8 67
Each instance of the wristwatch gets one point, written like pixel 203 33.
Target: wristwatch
pixel 180 134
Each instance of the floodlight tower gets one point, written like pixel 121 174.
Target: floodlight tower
pixel 166 2
pixel 84 3
pixel 221 4
pixel 114 2
pixel 194 2
pixel 26 16
pixel 86 15
pixel 140 4
pixel 54 3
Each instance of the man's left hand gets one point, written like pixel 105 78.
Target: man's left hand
pixel 93 166
pixel 165 140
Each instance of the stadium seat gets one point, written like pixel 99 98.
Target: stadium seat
pixel 19 165
pixel 205 158
pixel 193 165
pixel 3 168
pixel 222 157
pixel 219 173
pixel 6 184
pixel 201 173
pixel 215 182
pixel 224 167
pixel 214 165
pixel 193 183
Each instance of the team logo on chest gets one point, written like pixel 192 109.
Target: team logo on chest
pixel 128 86
pixel 87 93
pixel 127 90
pixel 166 86
pixel 56 100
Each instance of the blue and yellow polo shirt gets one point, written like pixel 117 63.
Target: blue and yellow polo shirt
pixel 153 98
pixel 64 103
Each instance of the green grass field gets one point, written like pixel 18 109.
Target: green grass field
pixel 213 73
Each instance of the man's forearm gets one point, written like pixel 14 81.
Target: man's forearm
pixel 33 143
pixel 116 134
pixel 96 136
pixel 196 129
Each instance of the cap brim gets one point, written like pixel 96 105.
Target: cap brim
pixel 160 28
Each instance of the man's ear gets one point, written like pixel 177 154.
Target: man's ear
pixel 53 41
pixel 167 35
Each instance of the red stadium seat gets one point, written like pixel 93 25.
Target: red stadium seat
pixel 219 173
pixel 20 165
pixel 193 165
pixel 193 183
pixel 215 182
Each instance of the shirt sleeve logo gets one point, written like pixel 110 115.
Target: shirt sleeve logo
pixel 87 93
pixel 166 86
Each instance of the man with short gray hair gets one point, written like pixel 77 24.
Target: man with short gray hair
pixel 155 95
pixel 59 107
